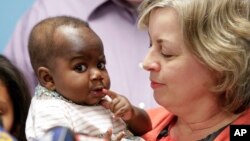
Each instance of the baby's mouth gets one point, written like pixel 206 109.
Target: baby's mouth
pixel 97 92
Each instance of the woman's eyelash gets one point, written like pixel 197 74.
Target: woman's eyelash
pixel 150 45
pixel 167 55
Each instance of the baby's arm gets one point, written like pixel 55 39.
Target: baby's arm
pixel 140 122
pixel 137 119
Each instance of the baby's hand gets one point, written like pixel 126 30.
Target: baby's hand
pixel 108 136
pixel 117 104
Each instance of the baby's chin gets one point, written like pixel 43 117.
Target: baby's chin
pixel 92 102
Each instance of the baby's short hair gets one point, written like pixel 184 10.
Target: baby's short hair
pixel 41 43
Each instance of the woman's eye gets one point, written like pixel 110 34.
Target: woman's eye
pixel 101 66
pixel 166 55
pixel 150 45
pixel 80 68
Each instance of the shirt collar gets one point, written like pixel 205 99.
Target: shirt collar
pixel 95 5
pixel 125 5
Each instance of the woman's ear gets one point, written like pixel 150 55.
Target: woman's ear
pixel 45 78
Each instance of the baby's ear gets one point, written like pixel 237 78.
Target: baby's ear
pixel 45 78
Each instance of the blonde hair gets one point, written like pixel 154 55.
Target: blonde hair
pixel 218 33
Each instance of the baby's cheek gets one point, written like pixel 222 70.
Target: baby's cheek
pixel 107 83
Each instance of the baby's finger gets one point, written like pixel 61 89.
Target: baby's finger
pixel 120 136
pixel 107 135
pixel 122 113
pixel 115 105
pixel 111 94
pixel 107 98
pixel 105 104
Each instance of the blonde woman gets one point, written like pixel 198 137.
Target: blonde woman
pixel 199 67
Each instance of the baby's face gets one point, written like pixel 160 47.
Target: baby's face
pixel 79 71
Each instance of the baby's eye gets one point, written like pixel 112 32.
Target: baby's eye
pixel 80 68
pixel 101 66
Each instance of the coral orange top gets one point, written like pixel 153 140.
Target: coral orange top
pixel 160 118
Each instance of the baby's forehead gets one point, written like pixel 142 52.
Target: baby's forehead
pixel 72 33
pixel 69 30
pixel 80 36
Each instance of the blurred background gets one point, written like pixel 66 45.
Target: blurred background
pixel 10 12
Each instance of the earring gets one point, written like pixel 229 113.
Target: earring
pixel 140 65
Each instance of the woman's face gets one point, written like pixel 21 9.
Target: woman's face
pixel 6 108
pixel 177 77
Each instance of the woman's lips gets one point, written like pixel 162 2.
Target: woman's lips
pixel 155 85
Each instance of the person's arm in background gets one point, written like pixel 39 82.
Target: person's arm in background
pixel 16 50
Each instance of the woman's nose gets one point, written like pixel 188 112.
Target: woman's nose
pixel 150 62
